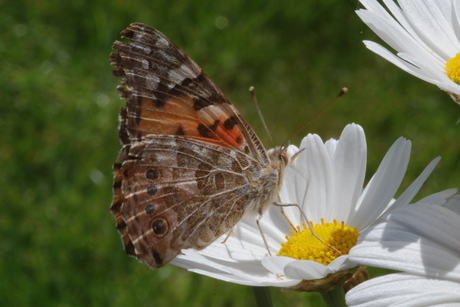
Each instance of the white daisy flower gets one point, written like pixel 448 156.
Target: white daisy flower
pixel 326 179
pixel 426 35
pixel 422 241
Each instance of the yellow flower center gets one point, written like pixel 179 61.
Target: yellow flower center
pixel 302 245
pixel 453 69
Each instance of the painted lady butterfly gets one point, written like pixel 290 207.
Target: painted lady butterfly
pixel 191 165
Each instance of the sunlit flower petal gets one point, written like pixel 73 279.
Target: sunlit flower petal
pixel 404 290
pixel 423 241
pixel 426 35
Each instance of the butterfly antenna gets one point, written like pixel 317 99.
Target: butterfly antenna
pixel 254 97
pixel 342 92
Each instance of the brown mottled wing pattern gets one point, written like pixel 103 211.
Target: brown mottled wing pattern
pixel 168 93
pixel 169 195
pixel 187 152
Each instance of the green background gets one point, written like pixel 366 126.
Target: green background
pixel 58 122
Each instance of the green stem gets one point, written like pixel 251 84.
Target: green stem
pixel 263 296
pixel 335 297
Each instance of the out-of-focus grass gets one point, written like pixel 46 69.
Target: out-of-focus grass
pixel 59 139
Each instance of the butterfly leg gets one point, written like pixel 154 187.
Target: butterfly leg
pixel 229 234
pixel 308 223
pixel 262 234
pixel 287 219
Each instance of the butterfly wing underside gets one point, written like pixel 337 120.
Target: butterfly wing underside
pixel 182 181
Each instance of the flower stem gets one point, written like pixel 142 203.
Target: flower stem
pixel 334 297
pixel 263 296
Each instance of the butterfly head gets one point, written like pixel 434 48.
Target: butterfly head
pixel 279 158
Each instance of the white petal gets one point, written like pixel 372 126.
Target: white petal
pixel 306 269
pixel 431 24
pixel 331 146
pixel 383 185
pixel 439 198
pixel 342 263
pixel 407 67
pixel 276 264
pixel 454 204
pixel 413 189
pixel 419 239
pixel 296 269
pixel 349 169
pixel 425 33
pixel 398 38
pixel 456 18
pixel 404 290
pixel 317 202
pixel 250 273
pixel 292 150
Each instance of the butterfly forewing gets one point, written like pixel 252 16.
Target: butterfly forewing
pixel 168 93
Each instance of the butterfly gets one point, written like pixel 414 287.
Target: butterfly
pixel 190 165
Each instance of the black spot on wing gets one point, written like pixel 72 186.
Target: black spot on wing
pixel 156 256
pixel 151 190
pixel 117 184
pixel 203 131
pixel 230 123
pixel 149 209
pixel 180 131
pixel 129 249
pixel 215 125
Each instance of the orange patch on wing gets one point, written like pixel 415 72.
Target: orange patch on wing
pixel 180 106
pixel 178 117
pixel 233 137
pixel 214 117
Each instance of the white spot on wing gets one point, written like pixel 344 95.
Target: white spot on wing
pixel 191 73
pixel 163 41
pixel 176 77
pixel 151 81
pixel 167 57
pixel 147 50
pixel 145 64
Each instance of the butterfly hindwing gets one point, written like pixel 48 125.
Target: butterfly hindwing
pixel 170 195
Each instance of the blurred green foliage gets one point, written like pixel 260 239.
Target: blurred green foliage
pixel 59 246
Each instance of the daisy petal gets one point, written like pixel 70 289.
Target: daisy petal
pixel 424 33
pixel 319 182
pixel 296 269
pixel 383 185
pixel 437 198
pixel 404 290
pixel 349 169
pixel 413 189
pixel 419 239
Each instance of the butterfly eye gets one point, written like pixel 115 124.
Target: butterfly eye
pixel 160 227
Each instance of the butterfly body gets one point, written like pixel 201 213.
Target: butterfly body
pixel 191 166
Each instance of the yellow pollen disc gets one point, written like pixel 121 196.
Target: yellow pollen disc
pixel 302 245
pixel 453 69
